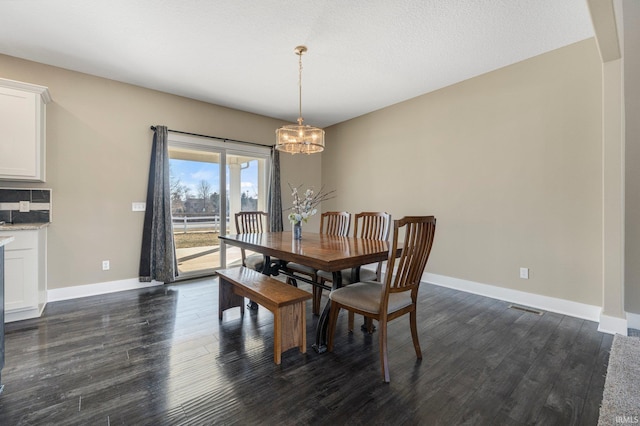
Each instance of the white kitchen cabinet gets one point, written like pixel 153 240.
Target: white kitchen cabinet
pixel 22 130
pixel 25 268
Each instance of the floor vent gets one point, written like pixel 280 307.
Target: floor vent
pixel 530 310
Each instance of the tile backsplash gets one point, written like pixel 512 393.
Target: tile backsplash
pixel 35 203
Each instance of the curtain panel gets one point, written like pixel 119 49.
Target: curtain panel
pixel 275 194
pixel 158 254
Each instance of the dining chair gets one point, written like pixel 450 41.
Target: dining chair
pixel 331 223
pixel 252 222
pixel 370 226
pixel 398 294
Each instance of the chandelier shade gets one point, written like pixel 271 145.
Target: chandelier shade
pixel 300 138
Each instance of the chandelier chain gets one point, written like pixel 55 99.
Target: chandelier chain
pixel 300 119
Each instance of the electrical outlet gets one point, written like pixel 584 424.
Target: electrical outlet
pixel 138 207
pixel 105 265
pixel 524 273
pixel 24 206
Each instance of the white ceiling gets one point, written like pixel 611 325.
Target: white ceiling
pixel 363 54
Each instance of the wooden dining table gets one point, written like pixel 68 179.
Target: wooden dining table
pixel 319 251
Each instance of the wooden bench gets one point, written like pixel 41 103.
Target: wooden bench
pixel 285 301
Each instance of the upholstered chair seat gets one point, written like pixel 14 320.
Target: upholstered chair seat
pixel 365 296
pixel 365 275
pixel 254 261
pixel 301 269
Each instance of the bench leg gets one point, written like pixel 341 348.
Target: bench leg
pixel 227 298
pixel 289 330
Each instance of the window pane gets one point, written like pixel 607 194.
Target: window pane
pixel 195 207
pixel 247 191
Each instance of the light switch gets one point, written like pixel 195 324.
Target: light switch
pixel 24 206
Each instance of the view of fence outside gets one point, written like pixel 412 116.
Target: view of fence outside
pixel 196 231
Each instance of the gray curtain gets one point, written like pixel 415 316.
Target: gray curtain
pixel 158 254
pixel 275 194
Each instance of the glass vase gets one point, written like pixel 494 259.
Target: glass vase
pixel 297 231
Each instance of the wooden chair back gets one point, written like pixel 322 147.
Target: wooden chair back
pixel 335 223
pixel 372 225
pixel 251 222
pixel 408 268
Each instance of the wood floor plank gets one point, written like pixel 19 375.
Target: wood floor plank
pixel 566 400
pixel 517 356
pixel 472 369
pixel 593 398
pixel 160 356
pixel 528 399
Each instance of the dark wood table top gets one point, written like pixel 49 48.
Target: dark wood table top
pixel 319 251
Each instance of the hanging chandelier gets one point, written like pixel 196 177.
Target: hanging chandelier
pixel 300 138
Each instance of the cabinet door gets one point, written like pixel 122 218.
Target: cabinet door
pixel 20 269
pixel 21 143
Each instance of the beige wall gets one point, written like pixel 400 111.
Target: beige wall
pixel 631 55
pixel 98 149
pixel 509 162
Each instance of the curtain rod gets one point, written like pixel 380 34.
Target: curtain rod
pixel 215 137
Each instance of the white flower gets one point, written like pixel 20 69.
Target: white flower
pixel 303 209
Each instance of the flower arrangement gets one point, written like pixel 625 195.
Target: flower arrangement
pixel 303 208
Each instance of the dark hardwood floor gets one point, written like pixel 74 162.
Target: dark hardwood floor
pixel 161 356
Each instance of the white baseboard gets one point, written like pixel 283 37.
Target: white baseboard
pixel 633 321
pixel 75 292
pixel 612 325
pixel 608 324
pixel 545 303
pixel 21 314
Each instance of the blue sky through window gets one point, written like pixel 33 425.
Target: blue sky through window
pixel 191 173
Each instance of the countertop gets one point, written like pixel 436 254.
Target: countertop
pixel 23 226
pixel 5 240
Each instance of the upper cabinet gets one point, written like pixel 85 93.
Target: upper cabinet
pixel 22 130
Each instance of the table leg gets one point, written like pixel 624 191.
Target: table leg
pixel 320 346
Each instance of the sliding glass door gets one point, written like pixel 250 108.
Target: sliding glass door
pixel 211 180
pixel 247 189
